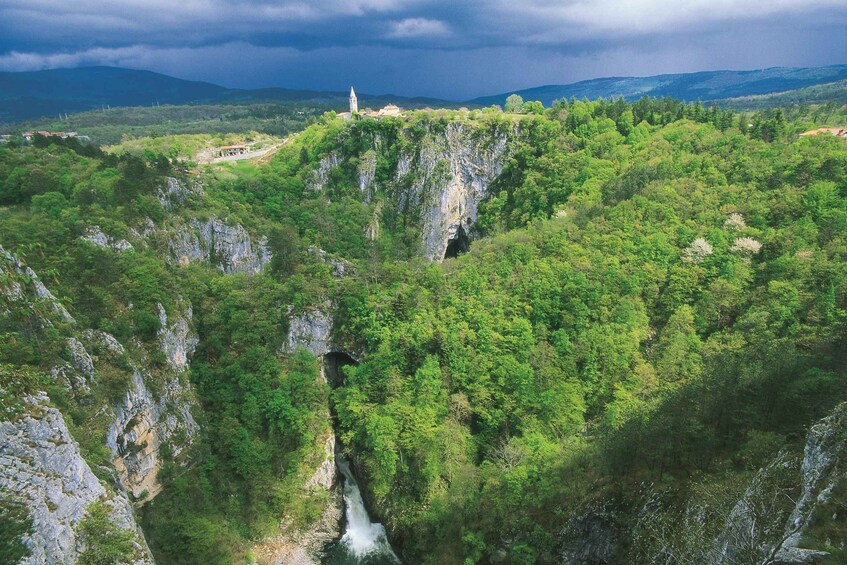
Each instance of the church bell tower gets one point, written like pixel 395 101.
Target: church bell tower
pixel 354 102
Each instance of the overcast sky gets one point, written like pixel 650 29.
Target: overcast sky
pixel 452 49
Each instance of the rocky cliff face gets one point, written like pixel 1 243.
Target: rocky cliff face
pixel 768 523
pixel 40 464
pixel 175 192
pixel 444 176
pixel 96 236
pixel 142 422
pixel 230 248
pixel 32 296
pixel 310 330
pixel 459 166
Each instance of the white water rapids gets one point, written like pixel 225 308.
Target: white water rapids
pixel 363 539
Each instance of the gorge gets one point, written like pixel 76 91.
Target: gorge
pixel 603 333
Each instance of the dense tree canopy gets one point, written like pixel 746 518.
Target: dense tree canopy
pixel 655 291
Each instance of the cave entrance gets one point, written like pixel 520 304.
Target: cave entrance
pixel 333 367
pixel 457 244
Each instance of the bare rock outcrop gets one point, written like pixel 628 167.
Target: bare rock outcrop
pixel 178 339
pixel 320 176
pixel 453 171
pixel 143 421
pixel 41 465
pixel 175 192
pixel 229 247
pixel 21 285
pixel 310 330
pixel 96 236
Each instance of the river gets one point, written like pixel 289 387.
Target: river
pixel 364 542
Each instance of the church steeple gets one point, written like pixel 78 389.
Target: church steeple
pixel 354 102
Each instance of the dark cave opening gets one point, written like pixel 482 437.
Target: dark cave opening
pixel 333 367
pixel 458 244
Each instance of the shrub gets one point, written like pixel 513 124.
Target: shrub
pixel 105 542
pixel 697 251
pixel 746 246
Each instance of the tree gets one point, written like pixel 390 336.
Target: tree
pixel 532 107
pixel 514 104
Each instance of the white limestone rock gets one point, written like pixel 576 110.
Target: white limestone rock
pixel 230 248
pixel 310 330
pixel 32 292
pixel 320 176
pixel 178 339
pixel 175 193
pixel 95 236
pixel 40 464
pixel 453 171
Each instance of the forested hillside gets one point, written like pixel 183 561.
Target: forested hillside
pixel 600 332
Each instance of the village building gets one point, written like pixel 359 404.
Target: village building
pixel 233 150
pixel 29 135
pixel 391 110
pixel 838 132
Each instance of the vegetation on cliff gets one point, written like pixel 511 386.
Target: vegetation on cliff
pixel 656 295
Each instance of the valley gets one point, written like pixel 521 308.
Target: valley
pixel 598 332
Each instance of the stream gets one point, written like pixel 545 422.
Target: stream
pixel 363 542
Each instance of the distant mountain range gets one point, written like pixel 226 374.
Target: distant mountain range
pixel 706 85
pixel 26 95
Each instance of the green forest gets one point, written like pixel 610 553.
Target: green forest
pixel 653 305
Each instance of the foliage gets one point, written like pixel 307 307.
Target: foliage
pixel 16 382
pixel 656 292
pixel 14 524
pixel 105 542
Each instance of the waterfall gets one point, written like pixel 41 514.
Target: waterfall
pixel 363 541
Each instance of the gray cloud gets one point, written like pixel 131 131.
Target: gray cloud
pixel 433 47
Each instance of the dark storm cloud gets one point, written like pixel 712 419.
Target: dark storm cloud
pixel 452 49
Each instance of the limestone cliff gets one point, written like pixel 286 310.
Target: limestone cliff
pixel 39 459
pixel 41 466
pixel 768 522
pixel 142 422
pixel 459 166
pixel 440 177
pixel 228 247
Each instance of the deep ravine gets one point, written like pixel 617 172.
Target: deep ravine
pixel 363 541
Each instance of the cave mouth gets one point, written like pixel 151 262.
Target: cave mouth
pixel 458 244
pixel 333 367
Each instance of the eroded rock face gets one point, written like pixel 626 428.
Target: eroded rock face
pixel 367 171
pixel 457 167
pixel 77 374
pixel 310 330
pixel 823 461
pixel 142 421
pixel 32 293
pixel 591 536
pixel 178 339
pixel 96 236
pixel 230 248
pixel 320 176
pixel 175 193
pixel 41 465
pixel 326 475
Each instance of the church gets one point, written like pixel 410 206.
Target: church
pixel 391 110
